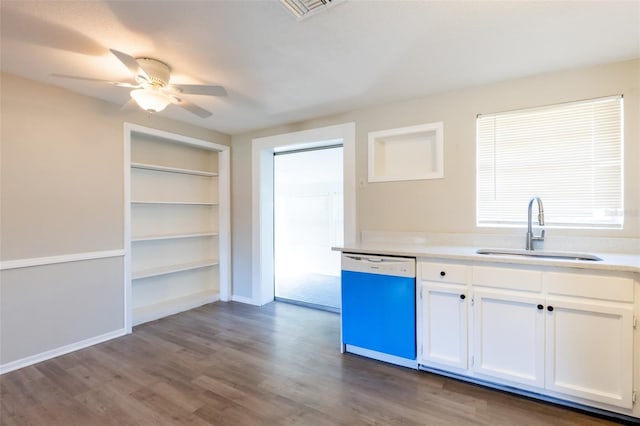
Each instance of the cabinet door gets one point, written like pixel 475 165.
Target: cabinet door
pixel 508 339
pixel 444 326
pixel 589 351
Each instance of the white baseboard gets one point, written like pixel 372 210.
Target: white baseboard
pixel 43 356
pixel 392 359
pixel 163 309
pixel 246 300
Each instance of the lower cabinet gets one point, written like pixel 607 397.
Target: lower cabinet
pixel 444 326
pixel 569 335
pixel 508 336
pixel 577 348
pixel 589 350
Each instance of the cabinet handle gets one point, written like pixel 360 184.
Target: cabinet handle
pixel 540 307
pixel 462 296
pixel 550 308
pixel 443 273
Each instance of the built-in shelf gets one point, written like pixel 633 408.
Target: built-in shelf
pixel 176 221
pixel 172 237
pixel 158 310
pixel 185 203
pixel 407 153
pixel 172 169
pixel 171 269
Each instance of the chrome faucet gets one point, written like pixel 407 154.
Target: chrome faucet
pixel 530 237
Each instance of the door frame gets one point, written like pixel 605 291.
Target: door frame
pixel 262 149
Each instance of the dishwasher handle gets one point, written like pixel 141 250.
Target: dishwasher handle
pixel 380 265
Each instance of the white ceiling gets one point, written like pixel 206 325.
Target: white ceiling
pixel 279 70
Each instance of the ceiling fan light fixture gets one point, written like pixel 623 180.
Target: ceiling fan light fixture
pixel 150 100
pixel 152 89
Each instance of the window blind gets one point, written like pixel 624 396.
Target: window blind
pixel 570 155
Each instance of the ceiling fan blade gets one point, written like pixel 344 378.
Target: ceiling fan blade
pixel 97 80
pixel 130 62
pixel 199 89
pixel 193 108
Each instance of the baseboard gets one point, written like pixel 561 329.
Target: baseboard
pixel 308 305
pixel 43 356
pixel 163 309
pixel 392 359
pixel 245 300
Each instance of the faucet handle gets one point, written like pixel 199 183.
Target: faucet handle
pixel 542 234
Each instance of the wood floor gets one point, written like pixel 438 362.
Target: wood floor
pixel 233 364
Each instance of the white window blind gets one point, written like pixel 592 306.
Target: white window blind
pixel 570 155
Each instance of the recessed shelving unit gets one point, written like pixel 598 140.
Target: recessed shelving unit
pixel 407 153
pixel 177 223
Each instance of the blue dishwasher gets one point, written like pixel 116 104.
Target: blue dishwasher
pixel 379 307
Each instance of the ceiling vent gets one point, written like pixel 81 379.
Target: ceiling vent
pixel 302 9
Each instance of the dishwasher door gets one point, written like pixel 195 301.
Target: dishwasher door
pixel 379 307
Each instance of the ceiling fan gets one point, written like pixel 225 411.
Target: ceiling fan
pixel 151 88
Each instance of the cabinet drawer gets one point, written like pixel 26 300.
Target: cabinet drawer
pixel 508 278
pixel 444 272
pixel 605 287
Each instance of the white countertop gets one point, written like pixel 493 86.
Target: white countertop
pixel 609 262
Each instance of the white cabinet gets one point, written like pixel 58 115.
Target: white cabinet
pixel 177 223
pixel 589 336
pixel 565 333
pixel 573 337
pixel 589 351
pixel 443 316
pixel 444 326
pixel 508 324
pixel 508 336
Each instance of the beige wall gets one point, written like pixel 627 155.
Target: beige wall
pixel 448 205
pixel 49 306
pixel 61 189
pixel 61 192
pixel 62 169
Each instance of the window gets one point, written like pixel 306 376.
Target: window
pixel 570 155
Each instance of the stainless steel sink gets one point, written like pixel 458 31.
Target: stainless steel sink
pixel 539 254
